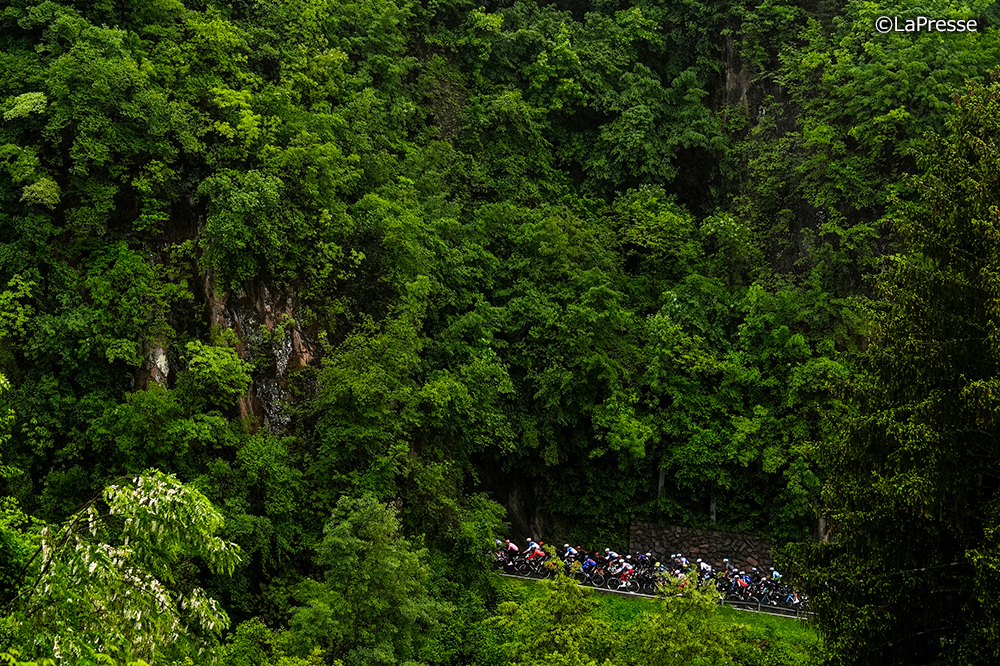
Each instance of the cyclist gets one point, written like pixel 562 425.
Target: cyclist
pixel 571 552
pixel 512 547
pixel 618 565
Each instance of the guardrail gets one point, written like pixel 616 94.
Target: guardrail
pixel 767 609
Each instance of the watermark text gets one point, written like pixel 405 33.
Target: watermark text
pixel 886 24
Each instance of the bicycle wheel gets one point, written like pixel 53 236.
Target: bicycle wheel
pixel 632 586
pixel 597 580
pixel 613 583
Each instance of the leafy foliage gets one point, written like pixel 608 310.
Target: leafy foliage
pixel 559 627
pixel 587 261
pixel 373 602
pixel 110 581
pixel 913 485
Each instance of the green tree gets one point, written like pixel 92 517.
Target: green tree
pixel 215 378
pixel 15 547
pixel 373 603
pixel 821 173
pixel 684 629
pixel 253 644
pixel 558 628
pixel 555 628
pixel 119 575
pixel 912 495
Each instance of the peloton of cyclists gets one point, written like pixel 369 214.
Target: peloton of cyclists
pixel 642 566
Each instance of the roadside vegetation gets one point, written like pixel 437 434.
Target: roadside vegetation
pixel 691 621
pixel 305 303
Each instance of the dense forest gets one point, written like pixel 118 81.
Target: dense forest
pixel 306 302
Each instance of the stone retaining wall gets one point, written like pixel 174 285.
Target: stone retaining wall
pixel 743 550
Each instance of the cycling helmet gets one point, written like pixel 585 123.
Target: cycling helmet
pixel 725 559
pixel 628 557
pixel 607 550
pixel 565 545
pixel 649 554
pixel 507 541
pixel 699 559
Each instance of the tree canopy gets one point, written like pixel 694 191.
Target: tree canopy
pixel 423 273
pixel 913 476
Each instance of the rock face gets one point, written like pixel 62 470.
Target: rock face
pixel 156 369
pixel 264 324
pixel 743 550
pixel 737 74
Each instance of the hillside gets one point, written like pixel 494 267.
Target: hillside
pixel 378 282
